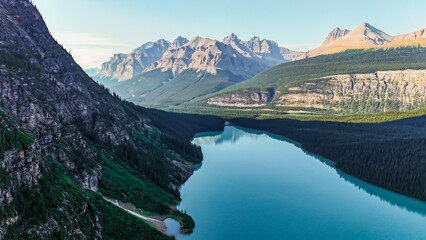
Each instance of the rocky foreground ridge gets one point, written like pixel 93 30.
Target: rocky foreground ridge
pixel 65 140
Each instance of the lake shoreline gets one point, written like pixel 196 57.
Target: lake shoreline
pixel 215 141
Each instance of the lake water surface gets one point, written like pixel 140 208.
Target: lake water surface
pixel 254 185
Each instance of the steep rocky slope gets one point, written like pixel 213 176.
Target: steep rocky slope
pixel 64 140
pixel 122 66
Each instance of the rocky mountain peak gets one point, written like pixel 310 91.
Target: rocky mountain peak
pixel 262 46
pixel 335 34
pixel 198 41
pixel 363 35
pixel 178 42
pixel 162 42
pixel 255 39
pixel 231 38
pixel 369 34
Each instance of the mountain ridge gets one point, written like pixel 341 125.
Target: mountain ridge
pixel 264 53
pixel 122 66
pixel 363 35
pixel 199 67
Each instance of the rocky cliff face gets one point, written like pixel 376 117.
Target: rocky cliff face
pixel 244 98
pixel 352 93
pixel 122 67
pixel 46 97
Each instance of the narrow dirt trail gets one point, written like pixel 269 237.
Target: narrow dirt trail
pixel 160 225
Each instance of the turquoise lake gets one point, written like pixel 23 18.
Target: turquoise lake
pixel 254 185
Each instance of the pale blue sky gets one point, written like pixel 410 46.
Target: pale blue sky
pixel 95 29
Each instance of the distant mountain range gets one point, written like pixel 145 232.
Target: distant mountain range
pixel 164 73
pixel 200 71
pixel 244 59
pixel 241 58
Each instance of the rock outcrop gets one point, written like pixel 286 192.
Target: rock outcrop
pixel 373 92
pixel 244 98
